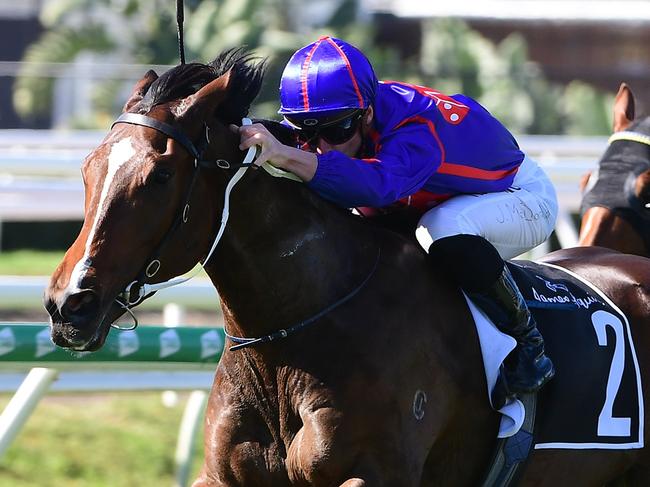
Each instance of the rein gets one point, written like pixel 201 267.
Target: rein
pixel 145 289
pixel 243 342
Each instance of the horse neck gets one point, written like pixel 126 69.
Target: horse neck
pixel 285 255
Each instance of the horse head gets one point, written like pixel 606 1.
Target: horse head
pixel 148 185
pixel 616 197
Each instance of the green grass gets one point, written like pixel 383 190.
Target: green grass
pixel 29 262
pixel 34 263
pixel 92 440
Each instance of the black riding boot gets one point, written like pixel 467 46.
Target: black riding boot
pixel 527 368
pixel 477 267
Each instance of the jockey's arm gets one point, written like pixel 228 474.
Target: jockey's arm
pixel 406 159
pixel 301 163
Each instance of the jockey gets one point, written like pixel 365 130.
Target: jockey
pixel 391 144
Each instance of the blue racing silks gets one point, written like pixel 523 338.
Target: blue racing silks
pixel 423 148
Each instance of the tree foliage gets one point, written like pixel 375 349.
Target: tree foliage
pixel 452 58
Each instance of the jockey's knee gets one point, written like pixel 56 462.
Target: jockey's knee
pixel 470 260
pixel 440 222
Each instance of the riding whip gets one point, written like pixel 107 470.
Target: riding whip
pixel 180 17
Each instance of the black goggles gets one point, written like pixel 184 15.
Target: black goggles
pixel 333 132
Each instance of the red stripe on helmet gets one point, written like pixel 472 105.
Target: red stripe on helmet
pixel 347 63
pixel 303 75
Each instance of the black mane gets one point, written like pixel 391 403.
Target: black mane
pixel 186 79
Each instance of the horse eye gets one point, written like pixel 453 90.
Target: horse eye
pixel 161 176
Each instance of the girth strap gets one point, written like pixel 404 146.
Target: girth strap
pixel 512 453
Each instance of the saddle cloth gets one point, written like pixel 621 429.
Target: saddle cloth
pixel 595 399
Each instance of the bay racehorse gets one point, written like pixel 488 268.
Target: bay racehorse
pixel 616 201
pixel 371 373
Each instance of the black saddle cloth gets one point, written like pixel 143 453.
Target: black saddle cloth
pixel 595 400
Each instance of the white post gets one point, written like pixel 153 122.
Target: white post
pixel 173 315
pixel 537 252
pixel 30 392
pixel 189 425
pixel 565 229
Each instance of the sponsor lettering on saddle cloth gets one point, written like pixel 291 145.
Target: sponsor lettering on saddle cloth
pixel 594 401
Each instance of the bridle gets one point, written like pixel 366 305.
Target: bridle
pixel 626 205
pixel 125 300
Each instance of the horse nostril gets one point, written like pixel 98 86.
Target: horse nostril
pixel 80 304
pixel 51 307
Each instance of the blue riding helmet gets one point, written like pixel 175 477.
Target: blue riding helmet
pixel 324 78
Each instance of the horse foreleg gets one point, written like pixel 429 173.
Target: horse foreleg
pixel 368 474
pixel 372 478
pixel 329 450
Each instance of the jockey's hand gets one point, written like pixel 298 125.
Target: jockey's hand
pixel 301 163
pixel 272 150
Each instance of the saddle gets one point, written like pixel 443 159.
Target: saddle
pixel 595 399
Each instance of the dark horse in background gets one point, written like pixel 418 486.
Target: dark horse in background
pixel 616 203
pixel 332 404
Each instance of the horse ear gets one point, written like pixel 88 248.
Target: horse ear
pixel 207 99
pixel 623 108
pixel 642 187
pixel 140 89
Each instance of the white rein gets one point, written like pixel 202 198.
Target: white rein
pixel 147 289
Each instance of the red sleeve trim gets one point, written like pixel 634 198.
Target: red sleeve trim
pixel 474 172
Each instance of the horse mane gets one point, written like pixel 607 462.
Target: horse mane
pixel 185 79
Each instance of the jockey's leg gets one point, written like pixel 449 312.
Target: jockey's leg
pixel 489 283
pixel 469 236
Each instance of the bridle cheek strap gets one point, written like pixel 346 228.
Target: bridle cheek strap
pixel 146 289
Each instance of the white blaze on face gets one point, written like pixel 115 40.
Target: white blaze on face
pixel 121 152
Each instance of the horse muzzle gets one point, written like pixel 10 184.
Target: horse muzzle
pixel 77 320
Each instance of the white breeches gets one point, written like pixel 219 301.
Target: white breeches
pixel 514 221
